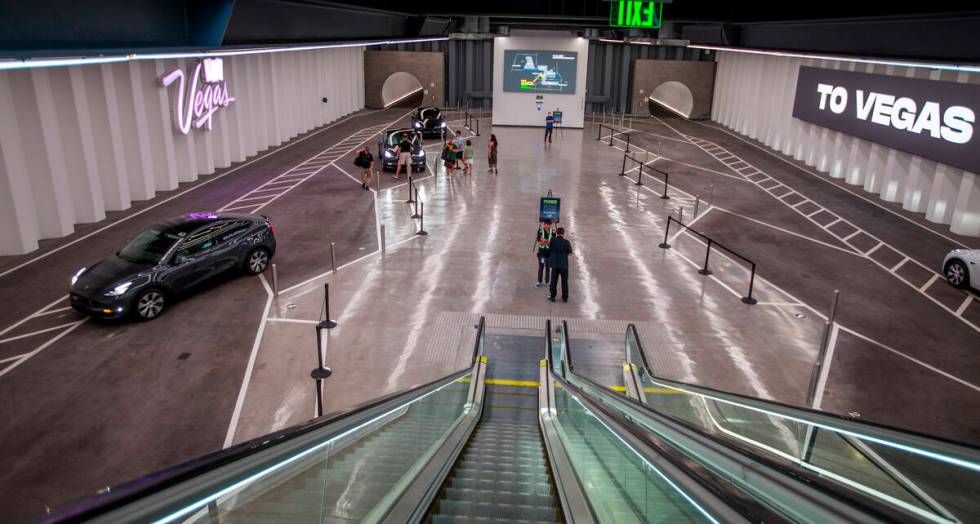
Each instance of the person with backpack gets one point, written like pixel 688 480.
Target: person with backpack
pixel 543 242
pixel 449 156
pixel 365 161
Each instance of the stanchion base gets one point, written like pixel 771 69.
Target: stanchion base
pixel 704 271
pixel 422 232
pixel 327 324
pixel 416 216
pixel 663 245
pixel 622 174
pixel 749 300
pixel 321 373
pixel 638 184
pixel 409 201
pixel 664 197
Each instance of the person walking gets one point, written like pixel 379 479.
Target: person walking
pixel 543 240
pixel 449 156
pixel 549 124
pixel 468 157
pixel 404 155
pixel 559 250
pixel 365 161
pixel 460 144
pixel 492 154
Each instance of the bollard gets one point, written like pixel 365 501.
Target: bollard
pixel 820 364
pixel 639 177
pixel 377 177
pixel 383 239
pixel 697 204
pixel 416 215
pixel 749 299
pixel 660 148
pixel 622 172
pixel 707 252
pixel 628 142
pixel 333 256
pixel 322 372
pixel 646 156
pixel 711 195
pixel 275 280
pixel 410 185
pixel 477 128
pixel 664 244
pixel 680 216
pixel 665 196
pixel 422 230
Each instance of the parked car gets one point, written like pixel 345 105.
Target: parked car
pixel 429 122
pixel 167 258
pixel 960 267
pixel 389 143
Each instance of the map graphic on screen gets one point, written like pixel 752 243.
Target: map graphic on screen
pixel 540 71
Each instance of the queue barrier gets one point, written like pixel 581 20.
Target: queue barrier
pixel 748 298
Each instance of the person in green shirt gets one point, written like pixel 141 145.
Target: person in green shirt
pixel 468 157
pixel 404 155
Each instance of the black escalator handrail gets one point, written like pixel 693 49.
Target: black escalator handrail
pixel 862 429
pixel 639 347
pixel 717 484
pixel 479 337
pixel 547 344
pixel 567 350
pixel 137 489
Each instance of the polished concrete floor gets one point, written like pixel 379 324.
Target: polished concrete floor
pixel 232 362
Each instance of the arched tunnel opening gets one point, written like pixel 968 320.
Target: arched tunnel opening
pixel 402 89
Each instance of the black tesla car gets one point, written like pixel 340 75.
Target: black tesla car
pixel 428 121
pixel 389 143
pixel 140 279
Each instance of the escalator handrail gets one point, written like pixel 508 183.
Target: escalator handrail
pixel 713 482
pixel 477 346
pixel 137 489
pixel 863 429
pixel 566 353
pixel 631 328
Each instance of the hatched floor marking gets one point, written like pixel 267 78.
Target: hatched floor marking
pixel 726 157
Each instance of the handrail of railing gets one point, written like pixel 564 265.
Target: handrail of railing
pixel 478 345
pixel 134 490
pixel 720 485
pixel 748 299
pixel 566 353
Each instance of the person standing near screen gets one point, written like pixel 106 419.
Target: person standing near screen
pixel 549 124
pixel 559 250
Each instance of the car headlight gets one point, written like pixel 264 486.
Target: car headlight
pixel 74 278
pixel 418 124
pixel 120 289
pixel 389 154
pixel 442 124
pixel 420 154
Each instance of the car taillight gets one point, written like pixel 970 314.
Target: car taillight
pixel 272 229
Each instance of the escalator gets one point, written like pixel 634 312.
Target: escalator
pixel 549 428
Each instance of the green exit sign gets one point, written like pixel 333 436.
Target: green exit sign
pixel 627 13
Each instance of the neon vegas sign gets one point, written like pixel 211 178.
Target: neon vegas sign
pixel 203 97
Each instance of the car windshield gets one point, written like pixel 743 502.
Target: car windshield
pixel 395 138
pixel 149 246
pixel 429 113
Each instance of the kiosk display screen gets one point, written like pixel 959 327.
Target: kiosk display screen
pixel 550 208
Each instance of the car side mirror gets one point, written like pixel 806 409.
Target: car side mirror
pixel 179 259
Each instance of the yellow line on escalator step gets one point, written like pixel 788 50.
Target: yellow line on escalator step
pixel 505 382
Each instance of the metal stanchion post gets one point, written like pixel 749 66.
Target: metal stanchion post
pixel 628 142
pixel 680 216
pixel 477 128
pixel 333 256
pixel 707 252
pixel 383 239
pixel 639 176
pixel 665 196
pixel 820 365
pixel 697 205
pixel 410 185
pixel 749 299
pixel 660 148
pixel 711 195
pixel 622 172
pixel 422 230
pixel 416 215
pixel 322 372
pixel 646 156
pixel 664 244
pixel 275 280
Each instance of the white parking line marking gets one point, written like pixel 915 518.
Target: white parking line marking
pixel 42 347
pixel 963 306
pixel 59 310
pixel 240 401
pixel 291 320
pixel 872 250
pixel 38 332
pixel 931 280
pixel 852 235
pixel 39 312
pixel 788 232
pixel 900 264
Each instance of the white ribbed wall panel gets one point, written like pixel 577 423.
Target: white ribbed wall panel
pixel 754 97
pixel 78 141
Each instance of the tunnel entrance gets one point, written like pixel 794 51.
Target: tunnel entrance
pixel 402 89
pixel 674 96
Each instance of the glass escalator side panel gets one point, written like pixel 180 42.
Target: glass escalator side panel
pixel 621 485
pixel 889 471
pixel 355 475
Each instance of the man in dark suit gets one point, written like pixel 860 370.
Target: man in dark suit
pixel 559 249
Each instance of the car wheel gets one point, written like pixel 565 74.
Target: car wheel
pixel 956 274
pixel 149 304
pixel 256 261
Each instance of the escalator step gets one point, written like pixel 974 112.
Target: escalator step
pixel 498 497
pixel 455 519
pixel 482 484
pixel 497 511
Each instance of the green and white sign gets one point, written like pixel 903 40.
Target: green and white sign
pixel 628 13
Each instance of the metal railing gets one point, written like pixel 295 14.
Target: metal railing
pixel 748 298
pixel 639 178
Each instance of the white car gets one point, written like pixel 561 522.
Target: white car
pixel 961 267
